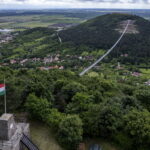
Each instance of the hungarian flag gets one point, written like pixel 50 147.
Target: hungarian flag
pixel 2 89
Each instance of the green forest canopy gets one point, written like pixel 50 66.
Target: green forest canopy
pixel 77 107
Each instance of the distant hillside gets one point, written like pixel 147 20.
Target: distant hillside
pixel 89 39
pixel 101 32
pixel 36 42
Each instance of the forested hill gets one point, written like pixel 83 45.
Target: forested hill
pixel 101 32
pixel 91 38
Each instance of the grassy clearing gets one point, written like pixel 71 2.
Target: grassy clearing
pixel 43 137
pixel 146 73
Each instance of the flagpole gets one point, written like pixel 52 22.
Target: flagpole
pixel 5 101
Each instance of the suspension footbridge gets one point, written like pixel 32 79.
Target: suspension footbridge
pixel 107 53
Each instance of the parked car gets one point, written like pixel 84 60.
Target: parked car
pixel 95 147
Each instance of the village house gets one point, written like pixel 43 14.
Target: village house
pixel 47 60
pixel 36 59
pixel 124 55
pixel 136 74
pixel 23 61
pixel 52 67
pixel 148 82
pixel 13 61
pixel 4 38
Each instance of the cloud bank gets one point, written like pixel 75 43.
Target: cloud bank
pixel 23 4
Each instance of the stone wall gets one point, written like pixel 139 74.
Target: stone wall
pixel 11 133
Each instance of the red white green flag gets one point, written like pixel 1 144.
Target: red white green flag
pixel 2 89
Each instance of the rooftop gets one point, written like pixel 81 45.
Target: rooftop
pixel 5 116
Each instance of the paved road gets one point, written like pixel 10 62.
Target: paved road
pixel 101 58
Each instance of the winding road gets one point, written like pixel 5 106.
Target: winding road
pixel 59 38
pixel 101 58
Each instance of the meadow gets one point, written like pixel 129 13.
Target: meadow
pixel 43 137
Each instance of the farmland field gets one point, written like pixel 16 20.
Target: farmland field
pixel 31 21
pixel 44 18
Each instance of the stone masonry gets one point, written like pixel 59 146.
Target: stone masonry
pixel 11 133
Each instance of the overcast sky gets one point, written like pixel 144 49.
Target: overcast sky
pixel 40 4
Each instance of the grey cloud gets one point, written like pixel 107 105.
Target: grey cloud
pixel 21 0
pixel 117 1
pixel 102 1
pixel 146 1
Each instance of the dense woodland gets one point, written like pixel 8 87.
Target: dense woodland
pixel 100 33
pixel 80 107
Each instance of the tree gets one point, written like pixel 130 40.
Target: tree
pixel 71 89
pixel 130 101
pixel 59 96
pixel 80 102
pixel 127 89
pixel 38 107
pixel 70 132
pixel 14 94
pixel 143 95
pixel 103 119
pixel 54 118
pixel 137 125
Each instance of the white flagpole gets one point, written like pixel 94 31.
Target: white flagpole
pixel 5 101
